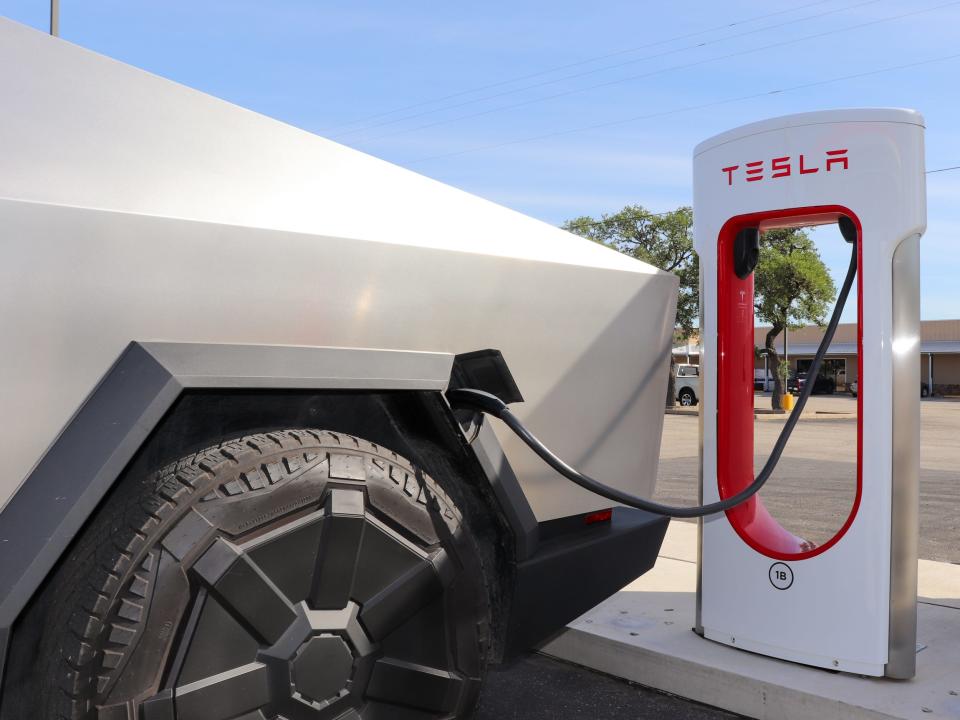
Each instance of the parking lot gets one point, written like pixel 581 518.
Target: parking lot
pixel 812 490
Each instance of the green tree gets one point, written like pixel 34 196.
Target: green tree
pixel 664 240
pixel 792 287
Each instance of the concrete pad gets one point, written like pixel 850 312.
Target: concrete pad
pixel 680 542
pixel 643 634
pixel 939 584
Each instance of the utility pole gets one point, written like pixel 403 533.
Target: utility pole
pixel 55 18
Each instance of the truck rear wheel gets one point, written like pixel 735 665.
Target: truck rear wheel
pixel 296 574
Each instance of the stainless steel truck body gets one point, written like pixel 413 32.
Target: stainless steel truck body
pixel 179 272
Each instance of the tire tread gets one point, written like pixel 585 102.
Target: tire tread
pixel 66 651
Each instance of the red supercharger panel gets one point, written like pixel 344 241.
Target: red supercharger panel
pixel 735 402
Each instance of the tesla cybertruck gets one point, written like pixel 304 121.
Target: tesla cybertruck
pixel 232 485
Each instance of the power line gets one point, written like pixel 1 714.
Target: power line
pixel 945 169
pixel 566 66
pixel 661 71
pixel 688 108
pixel 594 71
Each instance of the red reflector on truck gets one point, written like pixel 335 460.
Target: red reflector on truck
pixel 598 517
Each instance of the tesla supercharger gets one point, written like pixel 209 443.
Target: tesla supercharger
pixel 848 603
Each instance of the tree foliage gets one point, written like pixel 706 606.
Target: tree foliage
pixel 792 287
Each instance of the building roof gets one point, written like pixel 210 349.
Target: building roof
pixel 936 336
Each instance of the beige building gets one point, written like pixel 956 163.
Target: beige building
pixel 939 352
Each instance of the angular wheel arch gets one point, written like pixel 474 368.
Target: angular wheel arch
pixel 162 400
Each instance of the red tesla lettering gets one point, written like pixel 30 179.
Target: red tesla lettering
pixel 780 167
pixel 837 156
pixel 806 170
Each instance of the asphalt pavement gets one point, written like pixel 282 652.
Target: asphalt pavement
pixel 812 490
pixel 540 688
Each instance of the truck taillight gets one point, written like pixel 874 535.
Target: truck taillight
pixel 598 517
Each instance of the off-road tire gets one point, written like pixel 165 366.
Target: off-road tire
pixel 297 574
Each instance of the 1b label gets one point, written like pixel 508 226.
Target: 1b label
pixel 781 576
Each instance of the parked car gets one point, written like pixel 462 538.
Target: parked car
pixel 924 389
pixel 687 384
pixel 794 385
pixel 762 383
pixel 822 385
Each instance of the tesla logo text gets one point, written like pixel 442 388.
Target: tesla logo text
pixel 781 167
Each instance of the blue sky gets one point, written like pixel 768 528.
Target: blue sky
pixel 342 69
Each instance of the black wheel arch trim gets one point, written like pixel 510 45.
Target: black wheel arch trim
pixel 217 391
pixel 123 422
pixel 129 403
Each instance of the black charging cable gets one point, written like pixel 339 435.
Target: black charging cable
pixel 484 402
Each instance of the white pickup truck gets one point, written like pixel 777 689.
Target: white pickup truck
pixel 687 384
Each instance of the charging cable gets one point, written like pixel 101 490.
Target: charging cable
pixel 484 402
